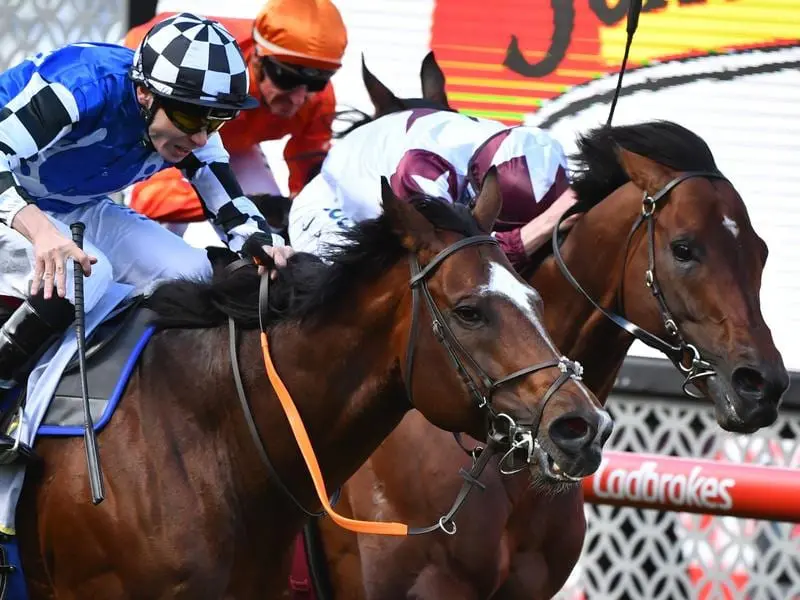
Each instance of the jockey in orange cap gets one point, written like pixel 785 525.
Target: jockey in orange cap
pixel 293 47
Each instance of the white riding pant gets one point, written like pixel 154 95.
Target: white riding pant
pixel 129 248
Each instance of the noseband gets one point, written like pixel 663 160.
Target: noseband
pixel 685 356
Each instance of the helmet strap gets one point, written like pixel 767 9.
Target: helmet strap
pixel 148 114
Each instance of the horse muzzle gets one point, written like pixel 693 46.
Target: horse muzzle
pixel 570 449
pixel 573 445
pixel 749 398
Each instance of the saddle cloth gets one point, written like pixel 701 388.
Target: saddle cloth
pixel 111 355
pixel 42 384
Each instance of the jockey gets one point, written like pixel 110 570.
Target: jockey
pixel 87 120
pixel 292 49
pixel 442 154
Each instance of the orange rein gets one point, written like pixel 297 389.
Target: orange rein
pixel 307 450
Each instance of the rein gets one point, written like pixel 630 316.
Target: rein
pixel 504 432
pixel 679 351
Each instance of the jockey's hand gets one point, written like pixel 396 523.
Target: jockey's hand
pixel 280 258
pixel 259 247
pixel 51 249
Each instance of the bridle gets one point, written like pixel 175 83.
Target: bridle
pixel 685 356
pixel 504 431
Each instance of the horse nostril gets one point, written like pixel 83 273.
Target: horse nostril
pixel 574 427
pixel 572 433
pixel 749 382
pixel 606 427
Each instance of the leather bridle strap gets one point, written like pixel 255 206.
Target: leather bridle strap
pixel 447 522
pixel 418 280
pixel 641 334
pixel 253 428
pixel 675 353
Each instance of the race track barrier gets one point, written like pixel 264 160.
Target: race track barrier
pixel 682 510
pixel 697 486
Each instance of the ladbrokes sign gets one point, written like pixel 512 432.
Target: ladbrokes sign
pixel 651 484
pixel 692 485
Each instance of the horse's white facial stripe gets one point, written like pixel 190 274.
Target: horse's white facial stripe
pixel 502 282
pixel 730 225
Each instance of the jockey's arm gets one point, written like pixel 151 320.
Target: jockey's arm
pixel 520 243
pixel 540 229
pixel 210 173
pixel 424 172
pixel 36 114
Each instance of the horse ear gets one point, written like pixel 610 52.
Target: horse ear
pixel 383 99
pixel 489 201
pixel 433 82
pixel 407 223
pixel 648 175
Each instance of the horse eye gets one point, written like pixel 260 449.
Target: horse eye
pixel 469 315
pixel 682 251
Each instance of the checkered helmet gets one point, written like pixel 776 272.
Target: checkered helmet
pixel 195 60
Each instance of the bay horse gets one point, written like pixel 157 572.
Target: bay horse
pixel 666 241
pixel 191 511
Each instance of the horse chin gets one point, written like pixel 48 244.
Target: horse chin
pixel 737 414
pixel 546 471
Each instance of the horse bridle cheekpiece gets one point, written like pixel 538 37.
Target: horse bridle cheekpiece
pixel 685 356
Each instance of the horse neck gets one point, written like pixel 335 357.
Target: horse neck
pixel 343 375
pixel 595 254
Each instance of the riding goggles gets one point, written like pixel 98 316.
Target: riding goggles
pixel 192 119
pixel 289 77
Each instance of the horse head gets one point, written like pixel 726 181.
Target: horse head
pixel 692 262
pixel 488 321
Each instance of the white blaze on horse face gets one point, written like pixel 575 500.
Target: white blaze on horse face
pixel 503 282
pixel 730 225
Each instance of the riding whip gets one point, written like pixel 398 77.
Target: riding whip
pixel 89 437
pixel 634 8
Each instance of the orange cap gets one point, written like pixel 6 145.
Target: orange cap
pixel 306 32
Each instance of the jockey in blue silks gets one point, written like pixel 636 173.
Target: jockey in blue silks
pixel 86 120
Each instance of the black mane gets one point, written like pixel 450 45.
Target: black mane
pixel 307 287
pixel 598 173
